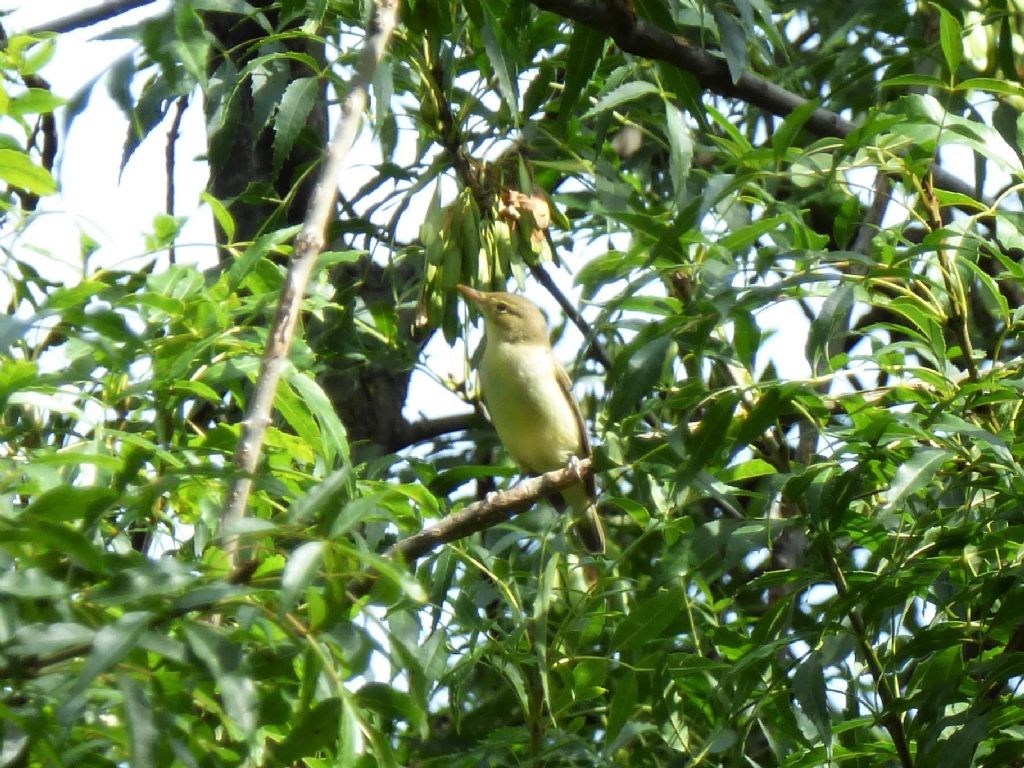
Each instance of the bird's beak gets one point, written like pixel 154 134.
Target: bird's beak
pixel 471 294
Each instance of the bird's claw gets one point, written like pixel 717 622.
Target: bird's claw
pixel 575 466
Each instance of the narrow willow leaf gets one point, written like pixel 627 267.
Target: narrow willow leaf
pixel 809 691
pixel 951 39
pixel 648 619
pixel 297 102
pixel 913 475
pixel 303 566
pixel 585 49
pixel 623 94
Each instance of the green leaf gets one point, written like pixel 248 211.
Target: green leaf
pixel 15 374
pixel 44 638
pixel 65 503
pixel 220 212
pixel 704 445
pixel 303 566
pixel 734 42
pixel 786 133
pixel 332 491
pixel 111 644
pixel 991 85
pixel 296 104
pixel 57 538
pixel 643 362
pixel 316 730
pixel 334 438
pixel 648 619
pixel 224 661
pixel 623 94
pixel 923 81
pixel 142 729
pixel 31 584
pixel 962 745
pixel 586 46
pixel 914 474
pixel 18 170
pixel 251 256
pixel 809 691
pixel 503 67
pixel 680 142
pixel 951 39
pixel 35 101
pixel 827 327
pixel 393 705
pixel 983 139
pixel 623 705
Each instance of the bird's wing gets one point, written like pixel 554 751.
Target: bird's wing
pixel 581 425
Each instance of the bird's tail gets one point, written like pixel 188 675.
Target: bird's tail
pixel 590 530
pixel 587 522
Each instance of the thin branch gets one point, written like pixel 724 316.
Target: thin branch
pixel 876 212
pixel 958 306
pixel 308 245
pixel 641 37
pixel 888 693
pixel 496 508
pixel 89 16
pixel 590 338
pixel 169 160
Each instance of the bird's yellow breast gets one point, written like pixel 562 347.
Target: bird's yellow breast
pixel 528 406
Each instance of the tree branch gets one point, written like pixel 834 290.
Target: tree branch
pixel 308 245
pixel 430 429
pixel 642 38
pixel 89 16
pixel 589 337
pixel 495 509
pixel 173 133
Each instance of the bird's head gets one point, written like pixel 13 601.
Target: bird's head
pixel 509 316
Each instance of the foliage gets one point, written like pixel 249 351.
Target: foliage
pixel 809 423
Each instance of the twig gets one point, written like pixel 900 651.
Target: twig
pixel 495 509
pixel 308 245
pixel 888 693
pixel 542 277
pixel 958 306
pixel 89 16
pixel 873 219
pixel 169 160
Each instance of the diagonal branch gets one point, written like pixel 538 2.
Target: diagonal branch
pixel 308 245
pixel 495 509
pixel 642 38
pixel 89 16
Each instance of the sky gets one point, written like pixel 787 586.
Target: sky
pixel 115 209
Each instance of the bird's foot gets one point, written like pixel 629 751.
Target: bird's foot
pixel 575 466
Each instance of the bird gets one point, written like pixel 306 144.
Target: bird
pixel 530 401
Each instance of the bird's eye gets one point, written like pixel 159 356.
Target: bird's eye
pixel 501 306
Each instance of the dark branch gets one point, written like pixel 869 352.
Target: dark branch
pixel 89 16
pixel 590 338
pixel 430 429
pixel 173 134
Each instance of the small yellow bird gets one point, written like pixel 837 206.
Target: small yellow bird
pixel 530 400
